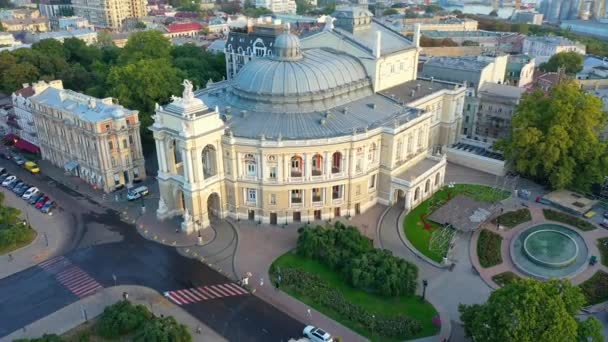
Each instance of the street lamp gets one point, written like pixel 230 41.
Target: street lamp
pixel 425 283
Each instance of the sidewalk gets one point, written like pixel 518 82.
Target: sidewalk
pixel 72 315
pixel 51 232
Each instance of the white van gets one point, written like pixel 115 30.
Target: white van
pixel 136 193
pixel 30 192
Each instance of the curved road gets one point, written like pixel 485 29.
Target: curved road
pixel 100 248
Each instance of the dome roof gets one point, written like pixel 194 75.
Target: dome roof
pixel 319 71
pixel 287 46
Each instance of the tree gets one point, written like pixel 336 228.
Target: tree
pixel 122 318
pixel 390 11
pixel 1 27
pixel 530 310
pixel 493 13
pixel 104 38
pixel 571 61
pixel 257 12
pixel 163 329
pixel 199 66
pixel 303 6
pixel 145 45
pixel 432 9
pixel 554 138
pixel 140 25
pixel 410 14
pixel 15 76
pixel 50 47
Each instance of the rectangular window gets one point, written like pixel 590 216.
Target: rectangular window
pixel 124 143
pixel 130 140
pixel 110 145
pixel 372 182
pixel 135 172
pixel 273 199
pixel 273 172
pixel 251 195
pixel 359 166
pixel 116 179
pixel 251 169
pixel 296 196
pixel 358 190
pixel 316 195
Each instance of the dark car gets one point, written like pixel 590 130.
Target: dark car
pixel 42 201
pixel 35 198
pixel 16 185
pixel 4 176
pixel 48 206
pixel 22 190
pixel 5 155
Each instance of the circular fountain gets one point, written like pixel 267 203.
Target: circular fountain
pixel 549 251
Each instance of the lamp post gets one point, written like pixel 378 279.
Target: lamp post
pixel 143 205
pixel 425 283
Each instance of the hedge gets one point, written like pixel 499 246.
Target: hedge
pixel 314 287
pixel 514 218
pixel 505 278
pixel 488 249
pixel 353 256
pixel 574 221
pixel 602 245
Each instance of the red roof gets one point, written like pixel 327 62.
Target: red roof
pixel 25 92
pixel 184 27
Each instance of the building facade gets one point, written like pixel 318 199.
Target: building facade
pixel 527 17
pixel 497 103
pixel 27 24
pixel 88 36
pixel 92 138
pixel 520 70
pixel 109 13
pixel 542 48
pixel 278 6
pixel 55 8
pixel 309 132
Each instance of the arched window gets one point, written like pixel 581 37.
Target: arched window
pixel 251 167
pixel 416 194
pixel 336 162
pixel 177 154
pixel 427 186
pixel 437 178
pixel 371 153
pixel 317 165
pixel 296 166
pixel 209 160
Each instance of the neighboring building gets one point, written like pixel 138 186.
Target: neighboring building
pixel 595 28
pixel 501 42
pixel 92 138
pixel 109 13
pixel 190 29
pixel 545 80
pixel 218 25
pixel 27 24
pixel 520 70
pixel 55 8
pixel 86 35
pixel 217 46
pixel 471 71
pixel 449 23
pixel 242 47
pixel 544 47
pixel 497 103
pixel 19 13
pixel 320 128
pixel 527 17
pixel 593 68
pixel 23 112
pixel 277 6
pixel 7 39
pixel 70 23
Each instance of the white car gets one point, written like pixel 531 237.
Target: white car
pixel 8 180
pixel 30 192
pixel 316 334
pixel 136 193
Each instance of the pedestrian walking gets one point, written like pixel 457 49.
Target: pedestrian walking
pixel 177 230
pixel 199 330
pixel 262 281
pixel 308 313
pixel 10 257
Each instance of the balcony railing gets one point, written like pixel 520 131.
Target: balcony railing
pixel 335 169
pixel 317 198
pixel 317 172
pixel 296 173
pixel 336 195
pixel 296 200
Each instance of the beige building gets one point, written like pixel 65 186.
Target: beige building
pixel 92 138
pixel 308 133
pixel 109 13
pixel 40 24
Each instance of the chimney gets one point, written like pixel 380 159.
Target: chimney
pixel 416 38
pixel 412 93
pixel 378 44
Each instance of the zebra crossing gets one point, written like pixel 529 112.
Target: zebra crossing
pixel 199 294
pixel 71 276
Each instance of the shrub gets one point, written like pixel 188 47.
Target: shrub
pixel 122 318
pixel 514 218
pixel 44 338
pixel 602 245
pixel 163 329
pixel 505 278
pixel 14 234
pixel 319 291
pixel 351 254
pixel 488 248
pixel 596 288
pixel 558 216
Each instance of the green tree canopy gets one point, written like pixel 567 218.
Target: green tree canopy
pixel 163 329
pixel 530 311
pixel 493 13
pixel 555 138
pixel 390 11
pixel 145 45
pixel 571 61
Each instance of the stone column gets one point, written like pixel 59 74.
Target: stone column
pixel 327 171
pixel 185 166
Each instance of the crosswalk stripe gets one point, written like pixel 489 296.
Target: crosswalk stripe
pixel 227 289
pixel 67 273
pixel 237 288
pixel 183 299
pixel 185 293
pixel 75 280
pixel 173 297
pixel 192 294
pixel 207 293
pixel 56 267
pixel 90 291
pixel 199 293
pixel 216 293
pixel 77 288
pixel 51 261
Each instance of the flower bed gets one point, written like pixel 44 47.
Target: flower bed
pixel 488 248
pixel 513 218
pixel 596 288
pixel 377 317
pixel 574 221
pixel 602 245
pixel 505 278
pixel 418 229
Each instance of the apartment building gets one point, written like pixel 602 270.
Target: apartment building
pixel 109 13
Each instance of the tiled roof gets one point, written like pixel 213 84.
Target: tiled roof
pixel 184 27
pixel 26 92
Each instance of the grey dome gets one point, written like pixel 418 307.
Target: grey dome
pixel 319 71
pixel 287 46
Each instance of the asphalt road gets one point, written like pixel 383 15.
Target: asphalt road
pixel 103 246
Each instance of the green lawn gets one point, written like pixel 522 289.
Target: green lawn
pixel 514 218
pixel 9 248
pixel 414 227
pixel 602 245
pixel 488 249
pixel 596 288
pixel 409 306
pixel 574 221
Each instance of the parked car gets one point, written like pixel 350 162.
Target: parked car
pixel 35 197
pixel 17 185
pixel 41 202
pixel 8 180
pixel 2 171
pixel 22 189
pixel 48 207
pixel 31 167
pixel 136 193
pixel 19 160
pixel 4 176
pixel 5 155
pixel 30 192
pixel 316 334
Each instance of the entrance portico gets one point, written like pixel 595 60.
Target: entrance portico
pixel 418 182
